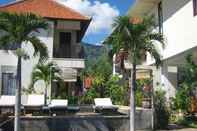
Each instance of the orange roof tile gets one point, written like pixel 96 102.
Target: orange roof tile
pixel 45 8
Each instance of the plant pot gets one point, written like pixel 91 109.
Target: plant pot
pixel 193 108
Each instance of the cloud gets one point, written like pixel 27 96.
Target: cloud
pixel 102 14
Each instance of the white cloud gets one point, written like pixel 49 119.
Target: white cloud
pixel 102 14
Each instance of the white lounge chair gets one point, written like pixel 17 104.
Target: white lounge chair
pixel 58 105
pixel 104 104
pixel 7 103
pixel 33 102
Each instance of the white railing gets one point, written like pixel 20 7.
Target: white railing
pixel 70 62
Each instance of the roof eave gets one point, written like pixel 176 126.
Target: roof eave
pixel 84 26
pixel 141 7
pixel 71 19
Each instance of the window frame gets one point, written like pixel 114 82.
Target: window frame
pixel 194 7
pixel 13 79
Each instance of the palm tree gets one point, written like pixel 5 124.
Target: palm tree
pixel 46 72
pixel 137 38
pixel 16 30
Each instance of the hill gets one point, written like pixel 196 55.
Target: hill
pixel 92 52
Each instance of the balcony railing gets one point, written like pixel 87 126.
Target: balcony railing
pixel 74 51
pixel 70 62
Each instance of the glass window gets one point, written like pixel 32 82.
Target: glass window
pixel 63 50
pixel 8 84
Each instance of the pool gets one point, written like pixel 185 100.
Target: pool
pixel 85 120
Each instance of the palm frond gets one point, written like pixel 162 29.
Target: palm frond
pixel 39 48
pixel 150 48
pixel 46 72
pixel 34 23
pixel 19 28
pixel 157 37
pixel 6 42
pixel 136 37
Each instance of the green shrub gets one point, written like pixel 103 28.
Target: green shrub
pixel 72 100
pixel 138 97
pixel 139 94
pixel 89 95
pixel 115 91
pixel 161 112
pixel 182 100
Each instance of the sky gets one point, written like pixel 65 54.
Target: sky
pixel 102 12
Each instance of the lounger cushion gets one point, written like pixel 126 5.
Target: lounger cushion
pixel 7 100
pixel 103 102
pixel 58 103
pixel 33 100
pixel 106 107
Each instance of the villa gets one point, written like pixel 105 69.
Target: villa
pixel 177 21
pixel 66 30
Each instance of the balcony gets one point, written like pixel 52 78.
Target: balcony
pixel 76 63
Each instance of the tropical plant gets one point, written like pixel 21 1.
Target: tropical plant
pixel 114 90
pixel 161 112
pixel 16 30
pixel 137 38
pixel 100 70
pixel 183 98
pixel 140 94
pixel 190 72
pixel 46 72
pixel 139 97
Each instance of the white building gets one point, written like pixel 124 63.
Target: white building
pixel 63 37
pixel 177 20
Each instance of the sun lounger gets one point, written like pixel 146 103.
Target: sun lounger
pixel 33 103
pixel 104 104
pixel 58 106
pixel 7 103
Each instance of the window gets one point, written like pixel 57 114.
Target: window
pixel 195 7
pixel 63 50
pixel 160 17
pixel 8 84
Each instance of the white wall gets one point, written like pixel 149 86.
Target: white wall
pixel 180 26
pixel 180 32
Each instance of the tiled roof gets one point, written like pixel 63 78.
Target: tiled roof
pixel 45 8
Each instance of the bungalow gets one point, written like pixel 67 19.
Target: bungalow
pixel 177 21
pixel 66 30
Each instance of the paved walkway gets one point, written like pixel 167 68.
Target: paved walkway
pixel 174 127
pixel 183 129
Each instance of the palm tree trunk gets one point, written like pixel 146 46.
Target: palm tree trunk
pixel 132 99
pixel 18 97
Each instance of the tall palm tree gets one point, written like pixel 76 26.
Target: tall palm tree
pixel 46 72
pixel 16 30
pixel 137 38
